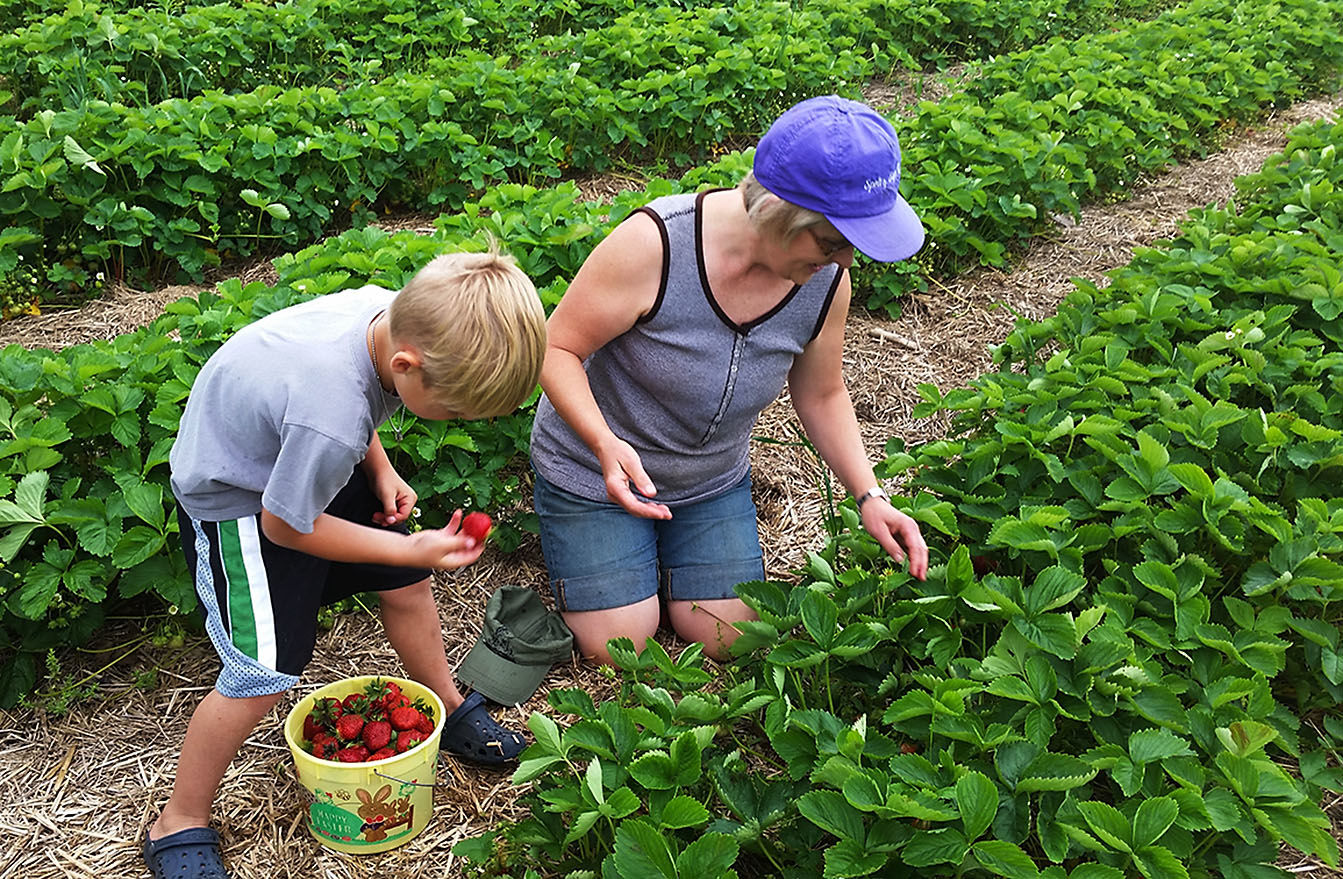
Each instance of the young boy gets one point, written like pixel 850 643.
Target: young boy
pixel 287 501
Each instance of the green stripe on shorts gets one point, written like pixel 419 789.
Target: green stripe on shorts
pixel 242 622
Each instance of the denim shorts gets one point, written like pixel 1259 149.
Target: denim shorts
pixel 598 556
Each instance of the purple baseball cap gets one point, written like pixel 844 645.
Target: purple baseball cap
pixel 841 159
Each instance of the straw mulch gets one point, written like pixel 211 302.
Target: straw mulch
pixel 80 790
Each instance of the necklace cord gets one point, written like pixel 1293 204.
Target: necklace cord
pixel 372 337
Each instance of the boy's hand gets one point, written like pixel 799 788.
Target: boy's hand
pixel 340 540
pixel 445 548
pixel 395 495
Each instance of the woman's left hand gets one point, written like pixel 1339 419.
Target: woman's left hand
pixel 898 534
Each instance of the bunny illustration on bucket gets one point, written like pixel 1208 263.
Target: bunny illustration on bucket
pixel 381 816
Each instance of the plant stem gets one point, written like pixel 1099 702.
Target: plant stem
pixel 765 848
pixel 133 643
pixel 360 602
pixel 93 674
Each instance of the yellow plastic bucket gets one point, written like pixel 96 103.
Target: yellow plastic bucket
pixel 365 808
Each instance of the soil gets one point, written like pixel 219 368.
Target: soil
pixel 81 788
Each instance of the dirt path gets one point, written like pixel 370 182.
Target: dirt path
pixel 80 790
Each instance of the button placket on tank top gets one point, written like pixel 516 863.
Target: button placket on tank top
pixel 729 385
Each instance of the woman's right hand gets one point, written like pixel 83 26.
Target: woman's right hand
pixel 621 467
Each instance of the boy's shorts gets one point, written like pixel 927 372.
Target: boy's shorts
pixel 261 599
pixel 598 556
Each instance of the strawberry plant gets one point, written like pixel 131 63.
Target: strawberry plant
pixel 625 785
pixel 149 185
pixel 1038 131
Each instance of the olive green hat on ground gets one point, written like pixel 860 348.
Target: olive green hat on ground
pixel 519 643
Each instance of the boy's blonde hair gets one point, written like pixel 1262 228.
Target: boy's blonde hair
pixel 775 216
pixel 480 330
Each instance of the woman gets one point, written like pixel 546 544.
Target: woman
pixel 678 330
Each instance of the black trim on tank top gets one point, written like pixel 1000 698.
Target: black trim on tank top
pixel 666 264
pixel 740 329
pixel 825 306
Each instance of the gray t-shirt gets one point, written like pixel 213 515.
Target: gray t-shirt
pixel 685 385
pixel 282 413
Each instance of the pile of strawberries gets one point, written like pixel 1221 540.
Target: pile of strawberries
pixel 373 725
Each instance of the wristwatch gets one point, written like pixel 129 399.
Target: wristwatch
pixel 874 491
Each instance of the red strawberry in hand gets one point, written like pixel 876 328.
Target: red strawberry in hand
pixel 476 526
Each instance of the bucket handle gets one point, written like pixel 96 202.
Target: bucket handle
pixel 414 783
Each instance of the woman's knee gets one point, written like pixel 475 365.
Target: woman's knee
pixel 710 621
pixel 593 628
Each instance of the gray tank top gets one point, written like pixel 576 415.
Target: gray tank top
pixel 685 385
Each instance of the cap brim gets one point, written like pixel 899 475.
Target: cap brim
pixel 887 237
pixel 500 679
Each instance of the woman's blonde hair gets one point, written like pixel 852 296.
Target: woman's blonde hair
pixel 480 330
pixel 772 215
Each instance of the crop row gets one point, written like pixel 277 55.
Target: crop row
pixel 183 181
pixel 1130 628
pixel 143 56
pixel 1039 132
pixel 138 186
pixel 532 16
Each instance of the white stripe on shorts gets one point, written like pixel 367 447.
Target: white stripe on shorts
pixel 250 544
